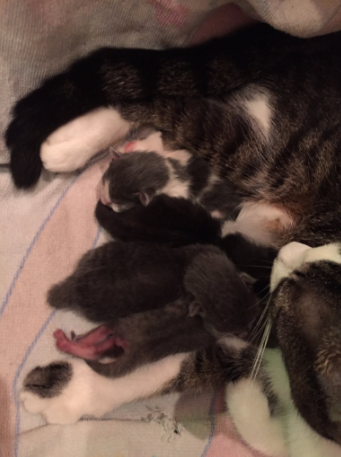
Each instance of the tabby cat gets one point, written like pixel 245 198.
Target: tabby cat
pixel 262 108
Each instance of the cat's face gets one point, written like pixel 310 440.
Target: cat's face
pixel 131 179
pixel 306 314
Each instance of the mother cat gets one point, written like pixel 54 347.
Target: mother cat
pixel 262 107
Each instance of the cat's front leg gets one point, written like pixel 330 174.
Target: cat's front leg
pixel 65 391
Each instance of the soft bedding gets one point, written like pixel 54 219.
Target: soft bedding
pixel 43 232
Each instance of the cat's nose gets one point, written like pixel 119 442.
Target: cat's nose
pixel 291 254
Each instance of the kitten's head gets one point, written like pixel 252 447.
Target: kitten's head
pixel 306 314
pixel 131 179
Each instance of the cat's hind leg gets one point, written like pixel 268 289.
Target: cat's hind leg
pixel 72 145
pixel 65 391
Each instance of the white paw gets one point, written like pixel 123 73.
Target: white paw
pixel 249 410
pixel 72 145
pixel 54 410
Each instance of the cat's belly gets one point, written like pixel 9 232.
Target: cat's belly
pixel 262 222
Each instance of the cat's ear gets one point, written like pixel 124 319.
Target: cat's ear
pixel 114 154
pixel 144 198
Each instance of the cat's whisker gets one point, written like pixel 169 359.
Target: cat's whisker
pixel 266 287
pixel 260 330
pixel 259 266
pixel 260 320
pixel 261 349
pixel 258 301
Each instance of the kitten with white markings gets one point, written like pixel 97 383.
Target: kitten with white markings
pixel 148 169
pixel 291 400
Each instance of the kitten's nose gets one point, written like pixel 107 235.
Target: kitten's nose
pixel 291 254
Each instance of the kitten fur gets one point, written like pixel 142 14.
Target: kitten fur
pixel 140 175
pixel 119 279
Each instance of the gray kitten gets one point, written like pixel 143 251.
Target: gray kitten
pixel 142 168
pixel 193 291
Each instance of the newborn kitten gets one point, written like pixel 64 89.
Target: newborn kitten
pixel 148 169
pixel 179 222
pixel 120 279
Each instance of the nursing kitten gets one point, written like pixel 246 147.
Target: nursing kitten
pixel 179 222
pixel 262 108
pixel 289 413
pixel 149 170
pixel 119 279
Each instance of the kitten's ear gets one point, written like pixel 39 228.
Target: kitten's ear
pixel 144 198
pixel 114 154
pixel 195 309
pixel 247 279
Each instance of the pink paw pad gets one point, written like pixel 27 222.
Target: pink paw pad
pixel 93 345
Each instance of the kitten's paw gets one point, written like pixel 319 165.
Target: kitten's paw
pixel 73 144
pixel 62 392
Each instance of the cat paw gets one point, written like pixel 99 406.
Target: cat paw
pixel 249 410
pixel 72 145
pixel 62 392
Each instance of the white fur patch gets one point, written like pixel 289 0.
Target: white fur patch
pixel 249 410
pixel 293 255
pixel 175 187
pixel 300 439
pixel 285 433
pixel 253 221
pixel 73 144
pixel 89 393
pixel 233 342
pixel 258 107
